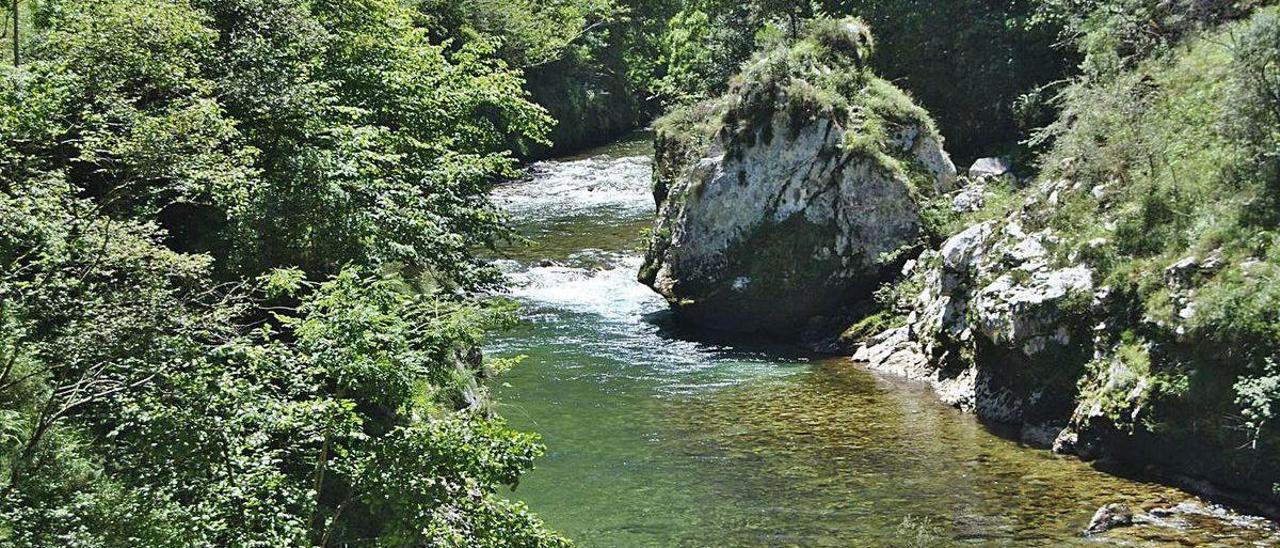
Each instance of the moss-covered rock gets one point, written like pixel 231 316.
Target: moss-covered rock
pixel 792 194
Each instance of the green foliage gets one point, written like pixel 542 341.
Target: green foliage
pixel 1179 149
pixel 1165 164
pixel 823 75
pixel 968 61
pixel 1259 399
pixel 529 33
pixel 236 246
pixel 309 137
pixel 869 326
pixel 692 71
pixel 850 37
pixel 1116 35
pixel 1119 387
pixel 589 63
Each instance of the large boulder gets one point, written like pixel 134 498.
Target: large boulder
pixel 796 196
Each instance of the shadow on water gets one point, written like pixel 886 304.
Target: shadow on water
pixel 731 345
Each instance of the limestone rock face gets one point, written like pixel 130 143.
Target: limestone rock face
pixel 767 235
pixel 1027 315
pixel 989 325
pixel 786 213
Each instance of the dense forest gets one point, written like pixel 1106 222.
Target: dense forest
pixel 242 292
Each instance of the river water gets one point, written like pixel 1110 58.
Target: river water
pixel 661 437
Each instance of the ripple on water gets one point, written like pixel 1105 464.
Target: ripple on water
pixel 592 306
pixel 556 189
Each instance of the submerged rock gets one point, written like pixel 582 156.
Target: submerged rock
pixel 796 196
pixel 1110 516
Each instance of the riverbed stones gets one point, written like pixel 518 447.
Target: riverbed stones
pixel 1108 517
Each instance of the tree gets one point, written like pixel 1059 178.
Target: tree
pixel 236 278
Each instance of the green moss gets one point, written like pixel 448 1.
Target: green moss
pixel 870 326
pixel 822 76
pixel 680 137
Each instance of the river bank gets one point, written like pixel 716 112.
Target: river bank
pixel 658 437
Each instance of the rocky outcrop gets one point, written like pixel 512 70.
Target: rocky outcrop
pixel 996 327
pixel 811 184
pixel 794 205
pixel 990 168
pixel 1007 319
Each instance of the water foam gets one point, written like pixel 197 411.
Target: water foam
pixel 611 291
pixel 579 187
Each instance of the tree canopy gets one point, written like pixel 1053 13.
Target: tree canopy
pixel 237 277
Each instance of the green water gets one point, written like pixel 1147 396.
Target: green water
pixel 659 437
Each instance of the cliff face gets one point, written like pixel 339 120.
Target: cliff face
pixel 996 325
pixel 794 194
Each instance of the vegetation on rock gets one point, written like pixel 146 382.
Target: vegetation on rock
pixel 743 244
pixel 1159 177
pixel 240 298
pixel 983 69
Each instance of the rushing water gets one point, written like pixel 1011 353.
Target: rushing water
pixel 657 437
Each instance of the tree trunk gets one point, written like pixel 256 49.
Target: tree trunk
pixel 15 33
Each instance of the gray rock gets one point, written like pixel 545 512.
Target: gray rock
pixel 989 168
pixel 1027 314
pixel 1110 516
pixel 1182 273
pixel 970 198
pixel 1179 273
pixel 1040 435
pixel 960 250
pixel 1029 249
pixel 1066 441
pixel 784 228
pixel 892 351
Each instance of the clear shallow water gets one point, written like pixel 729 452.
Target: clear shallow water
pixel 659 437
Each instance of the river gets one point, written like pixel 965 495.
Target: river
pixel 661 437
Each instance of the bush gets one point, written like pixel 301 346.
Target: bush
pixel 1259 400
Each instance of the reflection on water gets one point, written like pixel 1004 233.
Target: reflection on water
pixel 657 438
